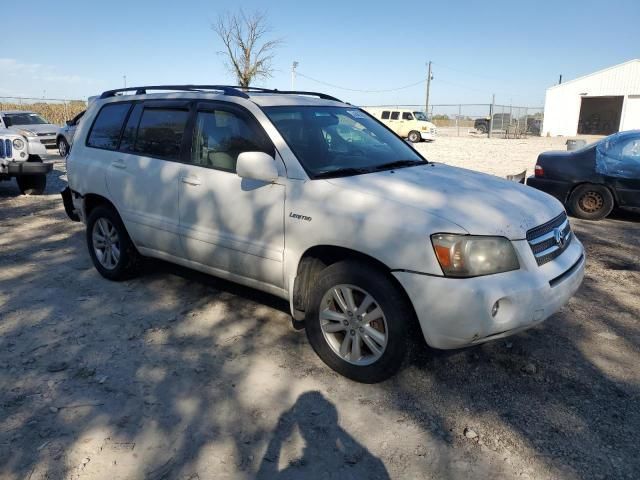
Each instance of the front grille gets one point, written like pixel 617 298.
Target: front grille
pixel 6 148
pixel 48 142
pixel 46 134
pixel 549 240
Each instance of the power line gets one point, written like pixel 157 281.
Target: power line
pixel 358 90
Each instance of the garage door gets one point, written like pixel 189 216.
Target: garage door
pixel 631 118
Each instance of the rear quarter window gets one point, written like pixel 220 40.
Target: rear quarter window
pixel 105 132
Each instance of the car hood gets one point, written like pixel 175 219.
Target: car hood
pixel 39 128
pixel 479 203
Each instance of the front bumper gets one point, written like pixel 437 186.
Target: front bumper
pixel 19 169
pixel 556 188
pixel 455 313
pixel 429 136
pixel 36 147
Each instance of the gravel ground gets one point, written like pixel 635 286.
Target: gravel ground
pixel 180 375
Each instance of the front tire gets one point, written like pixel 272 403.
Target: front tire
pixel 591 202
pixel 358 321
pixel 414 137
pixel 32 184
pixel 63 147
pixel 111 250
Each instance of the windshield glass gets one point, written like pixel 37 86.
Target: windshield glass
pixel 420 116
pixel 24 119
pixel 340 140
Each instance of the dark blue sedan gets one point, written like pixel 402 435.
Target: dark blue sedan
pixel 591 181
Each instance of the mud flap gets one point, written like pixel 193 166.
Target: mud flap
pixel 68 205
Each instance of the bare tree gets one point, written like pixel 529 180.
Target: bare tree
pixel 249 54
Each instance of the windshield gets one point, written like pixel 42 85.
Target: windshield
pixel 420 116
pixel 23 119
pixel 338 141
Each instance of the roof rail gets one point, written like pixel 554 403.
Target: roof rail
pixel 227 90
pixel 323 96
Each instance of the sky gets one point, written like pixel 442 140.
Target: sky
pixel 73 49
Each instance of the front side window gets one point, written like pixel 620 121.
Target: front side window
pixel 220 136
pixel 160 132
pixel 395 115
pixel 105 132
pixel 385 115
pixel 335 141
pixel 407 116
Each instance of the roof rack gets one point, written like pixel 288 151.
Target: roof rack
pixel 225 89
pixel 187 88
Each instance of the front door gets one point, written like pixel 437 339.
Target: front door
pixel 228 223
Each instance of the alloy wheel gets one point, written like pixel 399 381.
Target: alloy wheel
pixel 106 243
pixel 353 324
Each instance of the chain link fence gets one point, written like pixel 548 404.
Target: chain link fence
pixel 473 119
pixel 54 110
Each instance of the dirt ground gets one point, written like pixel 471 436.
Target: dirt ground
pixel 179 375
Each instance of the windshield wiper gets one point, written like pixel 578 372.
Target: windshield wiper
pixel 400 163
pixel 341 172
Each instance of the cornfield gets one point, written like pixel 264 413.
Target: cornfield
pixel 56 113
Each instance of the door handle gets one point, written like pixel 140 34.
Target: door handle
pixel 191 181
pixel 119 163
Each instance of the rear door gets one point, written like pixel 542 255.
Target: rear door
pixel 143 175
pixel 228 223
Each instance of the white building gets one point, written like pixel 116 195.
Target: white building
pixel 600 103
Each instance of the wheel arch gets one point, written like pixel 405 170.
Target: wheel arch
pixel 92 200
pixel 316 258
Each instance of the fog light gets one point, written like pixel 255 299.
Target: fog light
pixel 22 154
pixel 495 308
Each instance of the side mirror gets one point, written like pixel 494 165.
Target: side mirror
pixel 69 123
pixel 257 166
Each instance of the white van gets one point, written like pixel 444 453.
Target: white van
pixel 410 124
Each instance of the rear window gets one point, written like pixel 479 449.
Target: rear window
pixel 160 132
pixel 106 129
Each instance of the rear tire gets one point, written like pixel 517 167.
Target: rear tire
pixel 591 202
pixel 335 318
pixel 414 137
pixel 482 128
pixel 113 253
pixel 32 184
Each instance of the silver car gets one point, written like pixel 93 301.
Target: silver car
pixel 64 139
pixel 39 133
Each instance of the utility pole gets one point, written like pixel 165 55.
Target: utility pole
pixel 429 78
pixel 293 75
pixel 560 79
pixel 124 77
pixel 491 109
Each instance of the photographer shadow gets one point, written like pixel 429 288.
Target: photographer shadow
pixel 328 452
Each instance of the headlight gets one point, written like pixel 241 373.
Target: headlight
pixel 27 133
pixel 18 144
pixel 472 256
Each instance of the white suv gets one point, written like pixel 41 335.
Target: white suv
pixel 316 201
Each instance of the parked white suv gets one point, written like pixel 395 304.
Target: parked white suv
pixel 315 201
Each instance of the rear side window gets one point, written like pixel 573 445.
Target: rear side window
pixel 385 115
pixel 105 132
pixel 407 116
pixel 395 115
pixel 160 132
